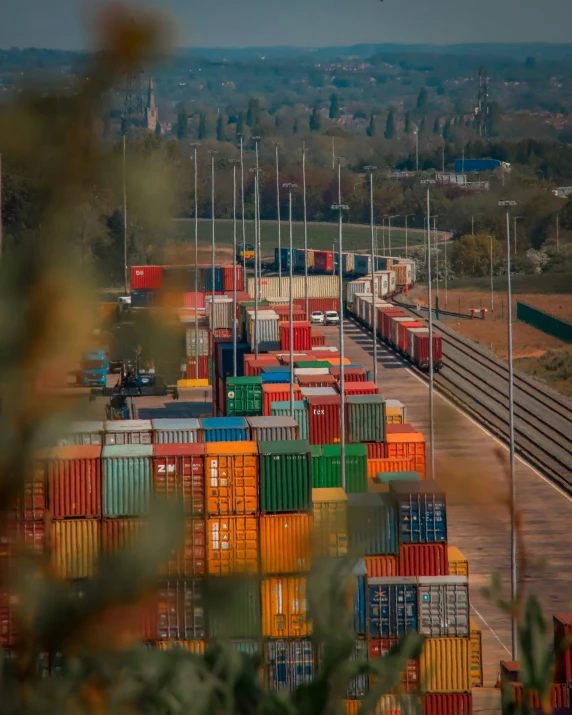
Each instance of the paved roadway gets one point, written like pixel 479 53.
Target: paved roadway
pixel 471 465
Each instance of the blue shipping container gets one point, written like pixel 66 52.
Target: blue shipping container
pixel 372 524
pixel 266 369
pixel 225 360
pixel 360 598
pixel 143 298
pixel 289 663
pixel 224 429
pixel 208 277
pixel 392 607
pixel 463 165
pixel 422 513
pixel 299 259
pixel 275 378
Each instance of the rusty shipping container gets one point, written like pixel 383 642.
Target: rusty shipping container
pixel 180 610
pixel 232 544
pixel 74 482
pixel 423 560
pixel 284 607
pixel 179 472
pixel 285 543
pixel 75 547
pixel 231 478
pixel 444 665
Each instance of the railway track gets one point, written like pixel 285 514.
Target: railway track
pixel 478 382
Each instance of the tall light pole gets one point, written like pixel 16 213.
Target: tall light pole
pixel 255 336
pixel 213 153
pixel 125 219
pixel 473 223
pixel 436 250
pixel 291 186
pixel 513 564
pixel 234 262
pixel 304 150
pixel 514 219
pixel 492 286
pixel 242 210
pixel 417 150
pixel 383 230
pixel 406 236
pixel 557 226
pixel 371 169
pixel 340 208
pixel 256 139
pixel 430 305
pixel 276 144
pixel 195 145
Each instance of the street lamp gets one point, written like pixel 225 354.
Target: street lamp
pixel 304 150
pixel 436 250
pixel 416 132
pixel 492 292
pixel 240 135
pixel 473 222
pixel 291 186
pixel 276 145
pixel 406 248
pixel 213 153
pixel 513 574
pixel 125 219
pixel 371 169
pixel 430 302
pixel 195 145
pixel 234 162
pixel 255 171
pixel 257 237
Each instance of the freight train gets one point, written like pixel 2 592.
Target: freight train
pixel 407 335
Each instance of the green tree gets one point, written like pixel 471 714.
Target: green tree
pixel 240 123
pixel 315 120
pixel 437 126
pixel 334 107
pixel 219 129
pixel 158 129
pixel 202 126
pixel 253 113
pixel 390 125
pixel 407 123
pixel 371 127
pixel 472 255
pixel 447 130
pixel 182 123
pixel 295 127
pixel 422 98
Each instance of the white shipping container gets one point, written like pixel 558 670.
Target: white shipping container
pixel 411 340
pixel 311 371
pixel 267 334
pixel 443 606
pixel 381 284
pixel 317 392
pixel 222 312
pixel 318 287
pixel 354 287
pixel 394 324
pixel 390 279
pixel 127 432
pixel 278 300
pixel 204 342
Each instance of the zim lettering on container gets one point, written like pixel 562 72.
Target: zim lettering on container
pixel 178 472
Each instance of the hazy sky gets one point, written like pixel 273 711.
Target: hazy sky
pixel 237 23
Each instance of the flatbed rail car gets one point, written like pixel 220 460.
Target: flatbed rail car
pixel 405 334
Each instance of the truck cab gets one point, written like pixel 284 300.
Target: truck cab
pixel 94 368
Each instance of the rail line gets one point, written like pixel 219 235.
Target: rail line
pixel 543 419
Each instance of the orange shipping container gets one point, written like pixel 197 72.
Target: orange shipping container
pixel 389 465
pixel 232 545
pixel 381 566
pixel 285 543
pixel 231 470
pixel 75 547
pixel 284 607
pixel 407 446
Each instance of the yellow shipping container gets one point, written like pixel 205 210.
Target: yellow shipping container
pixel 444 666
pixel 191 646
pixel 284 607
pixel 352 707
pixel 330 522
pixel 396 705
pixel 389 464
pixel 285 543
pixel 75 546
pixel 232 544
pixel 476 654
pixel 458 563
pixel 394 412
pixel 231 476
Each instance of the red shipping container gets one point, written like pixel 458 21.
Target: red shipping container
pixel 301 335
pixel 74 479
pixel 30 503
pixel 562 623
pixel 121 533
pixel 323 262
pixel 386 319
pixel 316 380
pixel 189 299
pixel 277 393
pixel 421 348
pixel 447 704
pixel 254 367
pixel 228 278
pixel 318 304
pixel 423 560
pixel 402 334
pixel 146 277
pixel 324 419
pixel 204 368
pixel 378 647
pixel 180 611
pixel 380 311
pixel 17 536
pixel 317 337
pixel 558 697
pixel 284 314
pixel 351 374
pixel 190 558
pixel 400 429
pixel 179 472
pixel 381 566
pixel 8 627
pixel 360 388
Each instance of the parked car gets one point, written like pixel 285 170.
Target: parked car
pixel 317 317
pixel 332 317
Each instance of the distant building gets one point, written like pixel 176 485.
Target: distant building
pixel 152 110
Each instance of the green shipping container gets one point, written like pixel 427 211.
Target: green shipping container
pixel 243 396
pixel 126 479
pixel 311 363
pixel 366 422
pixel 386 477
pixel 238 616
pixel 316 465
pixel 282 409
pixel 329 472
pixel 285 478
pixel 248 304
